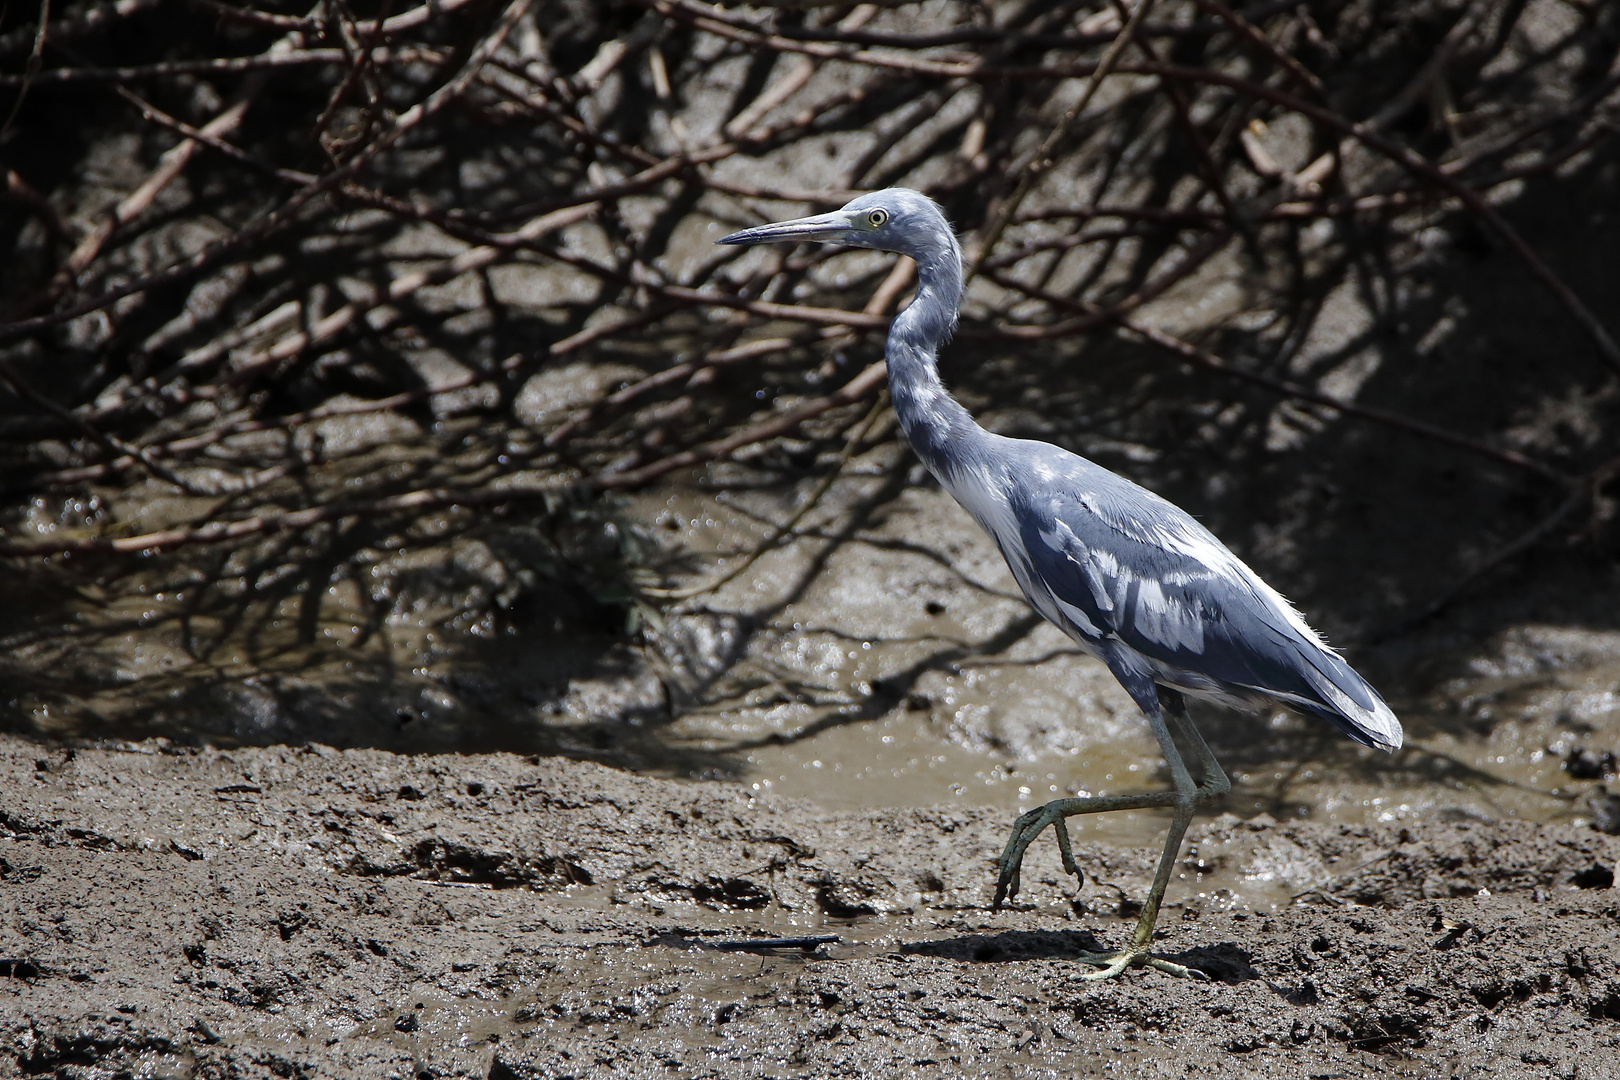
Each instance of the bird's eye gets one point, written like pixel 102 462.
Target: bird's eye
pixel 877 218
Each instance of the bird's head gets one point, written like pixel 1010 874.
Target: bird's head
pixel 895 219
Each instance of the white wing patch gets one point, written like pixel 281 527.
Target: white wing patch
pixel 1155 615
pixel 1379 722
pixel 1096 568
pixel 1213 554
pixel 982 494
pixel 1172 624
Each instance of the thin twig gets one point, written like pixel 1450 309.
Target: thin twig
pixel 1042 160
pixel 36 59
pixel 210 140
pixel 222 65
pixel 214 532
pixel 1252 34
pixel 278 219
pixel 1200 145
pixel 861 386
pixel 1210 362
pixel 134 204
pixel 117 447
pixel 857 436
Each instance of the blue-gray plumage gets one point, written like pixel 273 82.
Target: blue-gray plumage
pixel 1133 579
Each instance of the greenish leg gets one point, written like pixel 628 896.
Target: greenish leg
pixel 1032 824
pixel 1187 798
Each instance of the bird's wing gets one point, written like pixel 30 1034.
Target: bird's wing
pixel 1127 565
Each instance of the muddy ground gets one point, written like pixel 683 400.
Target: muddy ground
pixel 309 912
pixel 833 739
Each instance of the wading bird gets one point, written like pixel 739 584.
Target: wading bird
pixel 1133 579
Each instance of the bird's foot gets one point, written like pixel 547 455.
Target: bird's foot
pixel 1112 963
pixel 1024 831
pixel 1032 824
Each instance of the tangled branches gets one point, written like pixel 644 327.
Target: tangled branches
pixel 278 270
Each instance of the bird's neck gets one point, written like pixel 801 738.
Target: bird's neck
pixel 938 428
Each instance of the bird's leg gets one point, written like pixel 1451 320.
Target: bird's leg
pixel 1033 823
pixel 1214 782
pixel 1186 799
pixel 1189 797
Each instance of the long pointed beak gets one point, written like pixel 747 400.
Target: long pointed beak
pixel 825 227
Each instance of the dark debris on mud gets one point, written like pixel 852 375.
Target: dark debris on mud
pixel 306 912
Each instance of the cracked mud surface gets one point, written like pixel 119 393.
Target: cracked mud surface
pixel 306 912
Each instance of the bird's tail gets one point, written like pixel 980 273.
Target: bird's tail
pixel 1346 700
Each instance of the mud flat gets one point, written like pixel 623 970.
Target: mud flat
pixel 308 912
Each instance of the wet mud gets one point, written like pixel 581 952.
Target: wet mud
pixel 562 795
pixel 179 912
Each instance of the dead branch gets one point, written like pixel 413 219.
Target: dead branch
pixel 452 212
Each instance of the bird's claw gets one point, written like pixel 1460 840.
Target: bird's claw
pixel 1024 831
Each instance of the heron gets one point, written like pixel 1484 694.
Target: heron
pixel 1134 580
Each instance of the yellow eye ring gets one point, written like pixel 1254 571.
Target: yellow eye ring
pixel 877 218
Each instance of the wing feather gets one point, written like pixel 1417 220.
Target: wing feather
pixel 1142 571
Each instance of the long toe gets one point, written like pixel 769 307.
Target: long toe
pixel 1009 868
pixel 1025 830
pixel 1113 963
pixel 1180 971
pixel 1007 881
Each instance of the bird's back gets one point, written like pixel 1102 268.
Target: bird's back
pixel 1139 582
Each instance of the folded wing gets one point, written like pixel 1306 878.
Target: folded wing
pixel 1128 566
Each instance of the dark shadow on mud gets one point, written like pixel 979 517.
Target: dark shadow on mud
pixel 1012 946
pixel 461 634
pixel 1225 962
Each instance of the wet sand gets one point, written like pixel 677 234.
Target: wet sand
pixel 178 912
